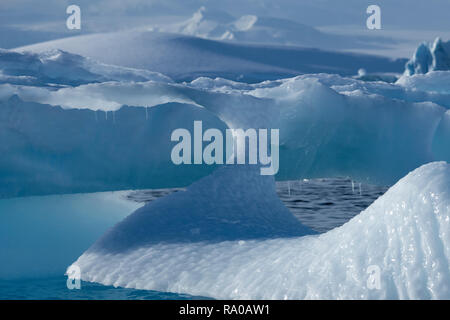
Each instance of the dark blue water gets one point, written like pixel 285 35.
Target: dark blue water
pixel 321 204
pixel 324 204
pixel 55 288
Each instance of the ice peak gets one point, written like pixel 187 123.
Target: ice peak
pixel 429 57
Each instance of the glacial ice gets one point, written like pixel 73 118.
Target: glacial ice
pixel 168 246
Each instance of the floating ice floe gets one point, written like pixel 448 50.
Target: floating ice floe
pixel 245 245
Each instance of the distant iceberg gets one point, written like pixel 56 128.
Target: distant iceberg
pixel 57 67
pixel 430 57
pixel 171 244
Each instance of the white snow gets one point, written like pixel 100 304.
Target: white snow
pixel 404 234
pixel 51 150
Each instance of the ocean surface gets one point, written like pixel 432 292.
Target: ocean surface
pixel 321 204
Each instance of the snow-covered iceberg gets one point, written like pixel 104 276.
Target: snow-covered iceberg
pixel 402 240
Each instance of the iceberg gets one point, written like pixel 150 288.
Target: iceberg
pixel 63 68
pixel 110 135
pixel 336 131
pixel 171 244
pixel 96 112
pixel 433 82
pixel 218 25
pixel 213 23
pixel 430 57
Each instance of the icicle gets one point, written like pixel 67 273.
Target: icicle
pixel 106 115
pixel 289 188
pixel 353 187
pixel 360 193
pixel 146 113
